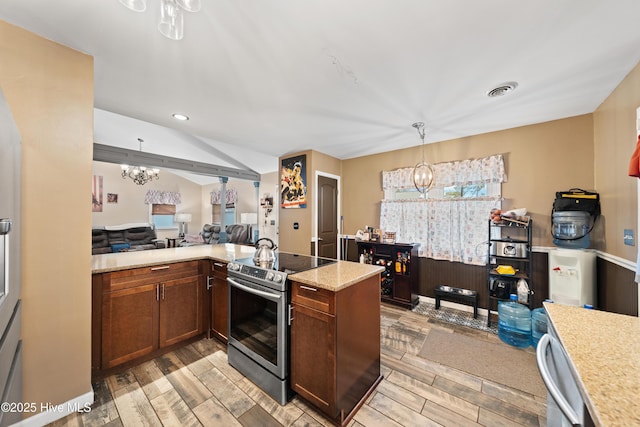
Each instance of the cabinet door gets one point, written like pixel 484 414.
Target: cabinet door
pixel 129 324
pixel 220 307
pixel 313 357
pixel 180 309
pixel 402 288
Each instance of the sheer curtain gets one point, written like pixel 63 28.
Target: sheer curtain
pixel 453 229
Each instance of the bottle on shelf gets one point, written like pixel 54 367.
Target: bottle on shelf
pixel 398 264
pixel 514 322
pixel 523 291
pixel 407 264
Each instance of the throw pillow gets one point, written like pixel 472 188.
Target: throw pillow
pixel 120 247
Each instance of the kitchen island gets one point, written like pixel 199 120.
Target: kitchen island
pixel 604 356
pixel 145 303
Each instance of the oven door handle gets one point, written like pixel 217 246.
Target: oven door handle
pixel 267 295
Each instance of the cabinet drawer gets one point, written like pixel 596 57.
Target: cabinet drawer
pixel 219 269
pixel 313 297
pixel 125 279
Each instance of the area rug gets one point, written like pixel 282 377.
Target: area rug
pixel 497 362
pixel 458 317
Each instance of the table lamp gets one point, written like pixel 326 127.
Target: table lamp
pixel 183 219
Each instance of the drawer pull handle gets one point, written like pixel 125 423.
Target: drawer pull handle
pixel 308 288
pixel 164 267
pixel 218 264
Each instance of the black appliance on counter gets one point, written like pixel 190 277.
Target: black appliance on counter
pixel 259 319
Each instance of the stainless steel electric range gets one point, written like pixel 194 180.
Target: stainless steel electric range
pixel 259 319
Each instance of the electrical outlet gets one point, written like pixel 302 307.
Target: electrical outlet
pixel 629 239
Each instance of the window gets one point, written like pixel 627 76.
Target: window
pixel 162 216
pixel 450 221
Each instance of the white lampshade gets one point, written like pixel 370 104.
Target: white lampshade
pixel 182 217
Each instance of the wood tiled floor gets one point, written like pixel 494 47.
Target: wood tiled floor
pixel 195 386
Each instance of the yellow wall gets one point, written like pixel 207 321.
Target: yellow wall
pixel 299 241
pixel 49 89
pixel 615 139
pixel 539 160
pixel 290 239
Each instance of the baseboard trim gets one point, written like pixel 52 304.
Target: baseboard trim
pixel 56 412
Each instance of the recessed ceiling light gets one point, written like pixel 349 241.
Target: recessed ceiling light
pixel 502 89
pixel 179 116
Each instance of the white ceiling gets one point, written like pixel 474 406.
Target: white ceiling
pixel 264 78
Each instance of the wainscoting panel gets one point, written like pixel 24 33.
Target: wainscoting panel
pixel 617 290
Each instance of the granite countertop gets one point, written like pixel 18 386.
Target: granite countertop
pixel 135 259
pixel 332 276
pixel 604 353
pixel 337 276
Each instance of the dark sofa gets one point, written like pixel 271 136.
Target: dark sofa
pixel 210 234
pixel 121 238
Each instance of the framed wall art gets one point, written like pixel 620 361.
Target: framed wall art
pixel 293 182
pixel 96 196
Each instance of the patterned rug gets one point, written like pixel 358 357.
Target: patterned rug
pixel 459 317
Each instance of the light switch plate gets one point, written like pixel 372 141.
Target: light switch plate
pixel 629 239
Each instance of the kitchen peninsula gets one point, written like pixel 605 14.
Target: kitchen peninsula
pixel 604 358
pixel 145 303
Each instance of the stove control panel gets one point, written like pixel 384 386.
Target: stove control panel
pixel 256 272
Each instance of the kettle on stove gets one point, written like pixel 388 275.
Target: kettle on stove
pixel 265 255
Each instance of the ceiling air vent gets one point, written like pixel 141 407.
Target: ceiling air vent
pixel 502 89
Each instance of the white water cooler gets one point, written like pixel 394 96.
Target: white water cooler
pixel 572 277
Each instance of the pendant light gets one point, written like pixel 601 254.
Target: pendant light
pixel 140 174
pixel 423 172
pixel 171 23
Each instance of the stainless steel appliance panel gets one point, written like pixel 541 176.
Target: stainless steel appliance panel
pixel 257 324
pixel 509 249
pixel 565 403
pixel 10 232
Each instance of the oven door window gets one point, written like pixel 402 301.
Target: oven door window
pixel 253 322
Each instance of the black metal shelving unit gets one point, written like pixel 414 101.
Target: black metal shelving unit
pixel 511 236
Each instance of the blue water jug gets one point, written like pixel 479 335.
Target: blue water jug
pixel 514 322
pixel 538 325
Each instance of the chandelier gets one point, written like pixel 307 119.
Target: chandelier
pixel 140 174
pixel 171 23
pixel 423 172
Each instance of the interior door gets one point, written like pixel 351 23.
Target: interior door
pixel 327 217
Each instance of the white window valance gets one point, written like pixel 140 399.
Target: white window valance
pixel 232 197
pixel 159 197
pixel 488 169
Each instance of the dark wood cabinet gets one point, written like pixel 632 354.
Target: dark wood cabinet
pixel 399 280
pixel 335 346
pixel 129 324
pixel 180 310
pixel 138 312
pixel 217 284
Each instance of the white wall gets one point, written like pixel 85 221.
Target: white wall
pixel 131 207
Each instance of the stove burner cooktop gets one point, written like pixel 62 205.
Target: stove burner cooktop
pixel 291 263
